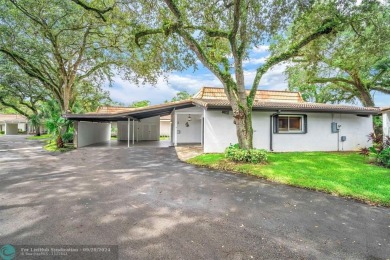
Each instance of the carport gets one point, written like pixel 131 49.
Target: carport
pixel 11 124
pixel 134 126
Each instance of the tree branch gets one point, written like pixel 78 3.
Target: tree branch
pixel 99 12
pixel 327 27
pixel 13 106
pixel 332 80
pixel 381 89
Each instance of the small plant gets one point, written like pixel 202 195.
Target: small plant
pixel 67 137
pixel 364 151
pixel 379 152
pixel 384 157
pixel 236 154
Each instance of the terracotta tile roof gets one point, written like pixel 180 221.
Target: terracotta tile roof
pixel 302 106
pixel 385 109
pixel 13 118
pixel 263 95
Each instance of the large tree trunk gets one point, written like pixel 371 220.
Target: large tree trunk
pixel 364 92
pixel 365 97
pixel 38 130
pixel 243 121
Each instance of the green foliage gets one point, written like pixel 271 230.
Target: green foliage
pixel 378 124
pixel 67 137
pixel 56 125
pixel 379 152
pixel 62 47
pixel 236 154
pixel 348 65
pixel 384 157
pixel 181 95
pixel 141 103
pixel 342 173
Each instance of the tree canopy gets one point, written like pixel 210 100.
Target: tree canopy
pixel 347 66
pixel 221 34
pixel 58 44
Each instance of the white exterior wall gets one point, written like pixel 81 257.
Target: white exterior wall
pixel 22 127
pixel 192 133
pixel 165 128
pixel 11 129
pixel 92 133
pixel 320 138
pixel 386 123
pixel 147 129
pixel 220 131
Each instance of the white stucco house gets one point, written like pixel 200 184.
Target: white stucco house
pixel 282 122
pixel 11 124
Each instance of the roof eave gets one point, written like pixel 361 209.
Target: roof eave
pixel 314 110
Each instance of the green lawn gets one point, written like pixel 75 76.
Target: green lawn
pixel 41 137
pixel 344 174
pixel 52 147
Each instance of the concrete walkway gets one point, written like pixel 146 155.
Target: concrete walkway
pixel 154 206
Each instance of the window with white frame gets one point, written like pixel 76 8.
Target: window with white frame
pixel 290 124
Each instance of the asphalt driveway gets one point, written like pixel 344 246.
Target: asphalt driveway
pixel 154 206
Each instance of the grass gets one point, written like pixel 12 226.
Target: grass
pixel 50 144
pixel 114 138
pixel 162 138
pixel 343 174
pixel 41 137
pixel 52 147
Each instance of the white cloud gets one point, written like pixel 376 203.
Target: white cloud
pixel 127 92
pixel 274 79
pixel 256 61
pixel 261 49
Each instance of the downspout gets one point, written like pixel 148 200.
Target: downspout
pixel 271 131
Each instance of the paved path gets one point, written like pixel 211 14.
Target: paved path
pixel 154 206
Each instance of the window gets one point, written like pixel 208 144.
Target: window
pixel 290 124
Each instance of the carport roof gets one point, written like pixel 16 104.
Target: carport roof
pixel 12 118
pixel 134 113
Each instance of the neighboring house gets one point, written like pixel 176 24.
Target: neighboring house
pixel 386 121
pixel 12 124
pixel 282 122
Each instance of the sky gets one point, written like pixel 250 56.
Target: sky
pixel 191 81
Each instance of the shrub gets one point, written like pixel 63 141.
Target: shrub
pixel 67 137
pixel 384 157
pixel 236 154
pixel 379 152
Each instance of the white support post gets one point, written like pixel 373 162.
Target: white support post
pixel 133 130
pixel 175 130
pixel 201 130
pixel 128 132
pixel 5 130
